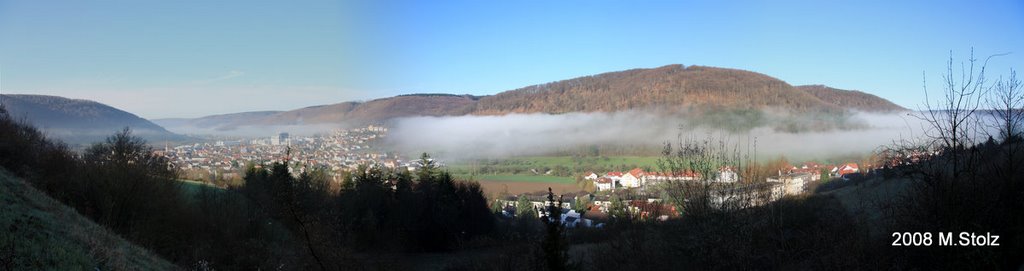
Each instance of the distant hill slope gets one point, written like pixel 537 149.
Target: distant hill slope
pixel 224 121
pixel 379 109
pixel 672 88
pixel 80 121
pixel 42 234
pixel 851 99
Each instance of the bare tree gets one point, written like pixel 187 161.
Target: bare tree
pixel 1007 102
pixel 952 122
pixel 695 183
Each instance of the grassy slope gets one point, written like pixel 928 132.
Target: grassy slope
pixel 193 187
pixel 39 233
pixel 865 200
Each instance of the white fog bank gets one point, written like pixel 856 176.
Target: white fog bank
pixel 539 134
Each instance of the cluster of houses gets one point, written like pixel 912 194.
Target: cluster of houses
pixel 338 151
pixel 894 158
pixel 638 178
pixel 793 180
pixel 796 179
pixel 596 212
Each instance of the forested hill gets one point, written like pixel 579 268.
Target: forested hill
pixel 672 88
pixel 669 87
pixel 851 99
pixel 378 110
pixel 80 121
pixel 223 121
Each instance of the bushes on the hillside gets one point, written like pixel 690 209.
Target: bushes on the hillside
pixel 27 153
pixel 125 186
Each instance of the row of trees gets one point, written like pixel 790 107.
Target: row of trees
pixel 375 209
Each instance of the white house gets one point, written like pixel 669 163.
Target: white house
pixel 590 176
pixel 604 183
pixel 653 177
pixel 793 183
pixel 727 175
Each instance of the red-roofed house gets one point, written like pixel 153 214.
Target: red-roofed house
pixel 653 210
pixel 615 176
pixel 846 169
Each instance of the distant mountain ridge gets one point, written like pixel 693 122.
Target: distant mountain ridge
pixel 222 121
pixel 353 113
pixel 78 121
pixel 673 88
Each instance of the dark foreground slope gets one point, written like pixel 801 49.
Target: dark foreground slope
pixel 39 233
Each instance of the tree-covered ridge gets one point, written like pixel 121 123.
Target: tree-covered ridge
pixel 44 110
pixel 377 110
pixel 672 87
pixel 79 121
pixel 851 99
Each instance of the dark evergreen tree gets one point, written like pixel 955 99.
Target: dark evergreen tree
pixel 554 245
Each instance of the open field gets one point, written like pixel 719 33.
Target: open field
pixel 569 164
pixel 192 188
pixel 518 178
pixel 516 184
pixel 492 188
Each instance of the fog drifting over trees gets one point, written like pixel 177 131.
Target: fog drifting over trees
pixel 537 134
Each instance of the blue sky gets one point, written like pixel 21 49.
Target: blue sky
pixel 193 58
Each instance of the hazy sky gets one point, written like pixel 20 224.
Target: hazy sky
pixel 193 58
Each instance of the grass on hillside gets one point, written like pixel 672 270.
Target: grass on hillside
pixel 193 187
pixel 40 233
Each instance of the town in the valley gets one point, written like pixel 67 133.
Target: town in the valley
pixel 337 151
